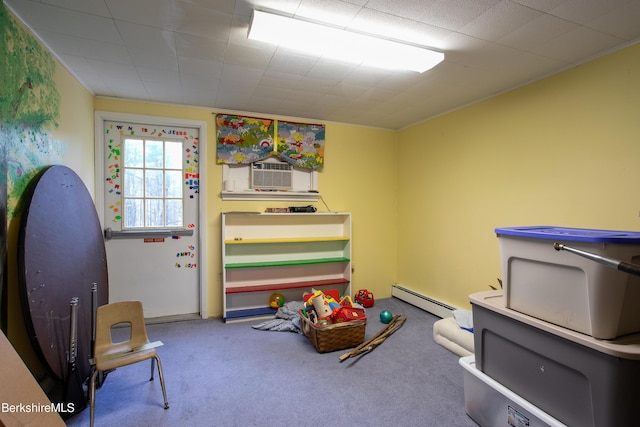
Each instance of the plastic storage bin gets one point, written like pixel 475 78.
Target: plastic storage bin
pixel 576 379
pixel 569 290
pixel 490 404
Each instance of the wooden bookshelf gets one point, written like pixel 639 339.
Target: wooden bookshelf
pixel 288 253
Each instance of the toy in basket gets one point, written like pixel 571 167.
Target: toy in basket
pixel 332 326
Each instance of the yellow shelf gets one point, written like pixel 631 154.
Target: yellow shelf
pixel 241 241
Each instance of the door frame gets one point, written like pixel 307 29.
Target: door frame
pixel 100 118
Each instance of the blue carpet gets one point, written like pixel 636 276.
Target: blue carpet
pixel 233 375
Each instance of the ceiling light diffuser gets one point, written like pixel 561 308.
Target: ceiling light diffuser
pixel 335 43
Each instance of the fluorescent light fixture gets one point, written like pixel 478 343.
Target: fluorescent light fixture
pixel 335 43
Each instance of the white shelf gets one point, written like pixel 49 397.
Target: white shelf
pixel 288 253
pixel 292 196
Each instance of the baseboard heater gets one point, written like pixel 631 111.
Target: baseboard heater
pixel 424 302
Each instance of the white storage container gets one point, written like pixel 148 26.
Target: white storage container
pixel 569 290
pixel 490 404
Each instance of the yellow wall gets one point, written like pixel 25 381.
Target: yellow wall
pixel 562 151
pixel 360 177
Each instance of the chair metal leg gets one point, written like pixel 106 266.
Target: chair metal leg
pixel 153 360
pixel 92 396
pixel 160 374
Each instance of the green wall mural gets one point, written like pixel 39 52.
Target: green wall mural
pixel 29 108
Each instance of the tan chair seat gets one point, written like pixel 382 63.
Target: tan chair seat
pixel 110 355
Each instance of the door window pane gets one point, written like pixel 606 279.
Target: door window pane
pixel 133 213
pixel 153 154
pixel 173 155
pixel 133 153
pixel 173 184
pixel 153 183
pixel 173 212
pixel 153 194
pixel 154 215
pixel 133 182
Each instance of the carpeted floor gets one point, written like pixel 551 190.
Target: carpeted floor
pixel 221 374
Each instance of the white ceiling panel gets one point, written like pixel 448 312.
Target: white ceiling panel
pixel 196 52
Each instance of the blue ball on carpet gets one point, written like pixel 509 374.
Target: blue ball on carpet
pixel 385 316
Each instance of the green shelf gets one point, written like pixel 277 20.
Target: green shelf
pixel 286 263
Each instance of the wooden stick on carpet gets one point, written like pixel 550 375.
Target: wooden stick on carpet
pixel 396 323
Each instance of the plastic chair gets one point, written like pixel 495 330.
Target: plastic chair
pixel 109 355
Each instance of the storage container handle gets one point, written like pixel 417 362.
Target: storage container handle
pixel 610 262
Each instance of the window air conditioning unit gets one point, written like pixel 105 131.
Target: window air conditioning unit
pixel 271 176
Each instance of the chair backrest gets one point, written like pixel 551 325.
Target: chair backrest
pixel 109 315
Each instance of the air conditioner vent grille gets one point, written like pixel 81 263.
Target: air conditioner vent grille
pixel 271 176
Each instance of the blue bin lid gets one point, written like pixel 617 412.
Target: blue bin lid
pixel 572 234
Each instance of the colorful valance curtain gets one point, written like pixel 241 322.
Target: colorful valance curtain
pixel 244 140
pixel 301 144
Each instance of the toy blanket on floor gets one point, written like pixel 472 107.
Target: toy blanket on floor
pixel 287 319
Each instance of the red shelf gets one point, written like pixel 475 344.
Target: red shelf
pixel 285 286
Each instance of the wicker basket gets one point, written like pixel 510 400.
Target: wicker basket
pixel 327 338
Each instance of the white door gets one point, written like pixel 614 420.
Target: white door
pixel 151 216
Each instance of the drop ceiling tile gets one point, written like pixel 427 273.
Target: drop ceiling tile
pixel 195 46
pixel 231 100
pixel 329 69
pixel 91 49
pixel 293 63
pixel 195 67
pixel 200 96
pixel 225 6
pixel 125 88
pixel 288 7
pixel 313 85
pixel 622 22
pixel 271 92
pixel 583 12
pixel 398 28
pixel 191 87
pixel 152 59
pixel 43 17
pixel 411 9
pixel 152 13
pixel 528 67
pixel 279 79
pixel 240 77
pixel 576 45
pixel 334 12
pixel 454 14
pixel 503 18
pixel 93 7
pixel 298 105
pixel 400 81
pixel 541 5
pixel 483 54
pixel 164 91
pixel 248 56
pixel 154 74
pixel 145 37
pixel 348 91
pixel 114 71
pixel 539 30
pixel 376 94
pixel 266 104
pixel 193 19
